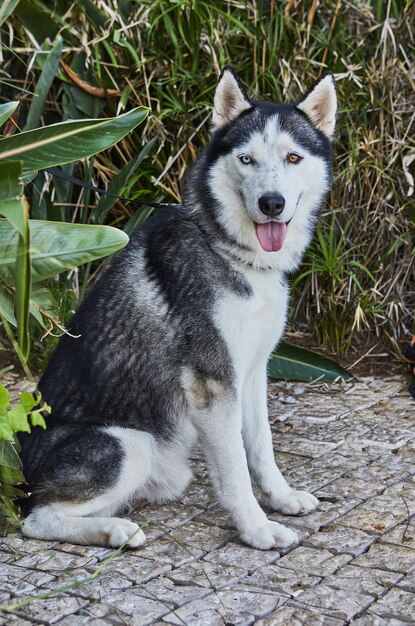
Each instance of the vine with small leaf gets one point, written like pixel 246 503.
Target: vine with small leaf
pixel 19 417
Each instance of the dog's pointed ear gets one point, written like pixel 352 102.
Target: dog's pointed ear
pixel 230 98
pixel 320 104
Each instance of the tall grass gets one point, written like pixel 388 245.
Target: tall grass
pixel 357 281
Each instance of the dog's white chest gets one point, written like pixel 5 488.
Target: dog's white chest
pixel 251 326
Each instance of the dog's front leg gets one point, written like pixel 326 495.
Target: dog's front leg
pixel 217 417
pixel 258 444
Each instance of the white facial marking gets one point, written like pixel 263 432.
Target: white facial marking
pixel 238 188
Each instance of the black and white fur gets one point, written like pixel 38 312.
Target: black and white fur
pixel 171 344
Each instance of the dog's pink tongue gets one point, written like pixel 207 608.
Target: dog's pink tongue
pixel 271 235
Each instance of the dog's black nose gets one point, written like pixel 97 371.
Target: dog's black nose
pixel 271 204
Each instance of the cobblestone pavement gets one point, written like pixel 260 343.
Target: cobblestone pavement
pixel 351 445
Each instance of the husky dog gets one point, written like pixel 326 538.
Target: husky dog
pixel 171 344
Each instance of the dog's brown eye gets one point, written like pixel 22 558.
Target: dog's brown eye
pixel 294 158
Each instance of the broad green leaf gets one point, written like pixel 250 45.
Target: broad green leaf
pixel 13 492
pixel 9 456
pixel 11 476
pixel 58 246
pixel 11 194
pixel 77 103
pixel 42 298
pixel 6 431
pixel 14 207
pixel 7 508
pixel 4 398
pixel 37 419
pixel 37 315
pixel 94 14
pixel 6 9
pixel 28 177
pixel 37 19
pixel 7 109
pixel 27 401
pixel 18 419
pixel 68 141
pixel 116 186
pixel 44 84
pixel 7 306
pixel 293 363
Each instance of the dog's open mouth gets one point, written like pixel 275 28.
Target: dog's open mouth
pixel 271 235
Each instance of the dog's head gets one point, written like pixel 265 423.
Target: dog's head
pixel 267 168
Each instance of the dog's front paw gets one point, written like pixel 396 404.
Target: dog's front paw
pixel 121 531
pixel 270 535
pixel 294 503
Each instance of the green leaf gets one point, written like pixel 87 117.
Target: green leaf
pixel 9 456
pixel 13 492
pixel 4 398
pixel 6 431
pixel 44 84
pixel 37 419
pixel 18 419
pixel 68 141
pixel 94 14
pixel 16 444
pixel 7 109
pixel 28 177
pixel 27 401
pixel 116 186
pixel 76 103
pixel 6 8
pixel 37 20
pixel 58 246
pixel 11 476
pixel 7 306
pixel 6 506
pixel 22 284
pixel 37 315
pixel 293 363
pixel 14 207
pixel 42 298
pixel 11 194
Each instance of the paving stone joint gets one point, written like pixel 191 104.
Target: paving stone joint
pixel 352 445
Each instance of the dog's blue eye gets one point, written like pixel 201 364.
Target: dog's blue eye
pixel 245 159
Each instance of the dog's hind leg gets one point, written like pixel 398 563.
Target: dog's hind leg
pixel 84 484
pixel 57 522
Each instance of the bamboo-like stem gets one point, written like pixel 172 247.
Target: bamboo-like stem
pixel 17 350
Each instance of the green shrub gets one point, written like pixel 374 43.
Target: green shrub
pixel 28 411
pixel 32 251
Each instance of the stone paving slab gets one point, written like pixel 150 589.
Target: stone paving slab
pixel 353 445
